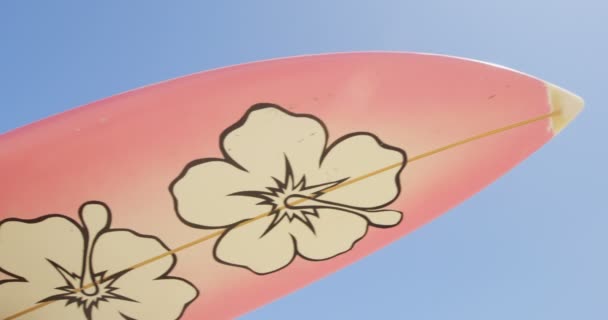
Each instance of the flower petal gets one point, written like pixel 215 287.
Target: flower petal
pixel 205 194
pixel 251 247
pixel 59 310
pixel 267 135
pixel 156 296
pixel 335 232
pixel 156 300
pixel 119 250
pixel 361 155
pixel 108 310
pixel 17 296
pixel 26 247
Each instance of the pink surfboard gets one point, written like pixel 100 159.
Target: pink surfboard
pixel 210 195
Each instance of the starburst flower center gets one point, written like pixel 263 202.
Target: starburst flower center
pixel 89 288
pixel 294 199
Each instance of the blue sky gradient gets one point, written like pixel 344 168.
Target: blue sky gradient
pixel 533 245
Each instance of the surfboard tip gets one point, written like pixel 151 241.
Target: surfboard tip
pixel 566 106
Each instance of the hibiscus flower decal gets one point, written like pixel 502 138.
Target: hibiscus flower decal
pixel 279 163
pixel 87 272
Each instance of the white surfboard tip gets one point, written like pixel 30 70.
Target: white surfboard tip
pixel 566 104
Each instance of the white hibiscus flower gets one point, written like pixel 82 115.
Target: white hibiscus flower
pixel 278 162
pixel 52 258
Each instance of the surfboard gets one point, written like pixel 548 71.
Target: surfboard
pixel 207 196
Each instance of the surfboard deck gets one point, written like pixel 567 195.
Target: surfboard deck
pixel 212 194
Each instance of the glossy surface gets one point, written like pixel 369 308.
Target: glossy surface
pixel 127 150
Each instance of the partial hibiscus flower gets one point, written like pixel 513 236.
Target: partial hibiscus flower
pixel 281 191
pixel 86 272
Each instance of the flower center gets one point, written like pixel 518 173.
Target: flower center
pixel 88 288
pixel 278 195
pixel 72 292
pixel 296 200
pixel 278 199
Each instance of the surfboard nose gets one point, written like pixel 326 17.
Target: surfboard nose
pixel 566 104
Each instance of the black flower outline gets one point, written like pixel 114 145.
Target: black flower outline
pixel 265 194
pixel 68 291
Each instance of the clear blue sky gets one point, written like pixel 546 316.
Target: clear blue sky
pixel 479 261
